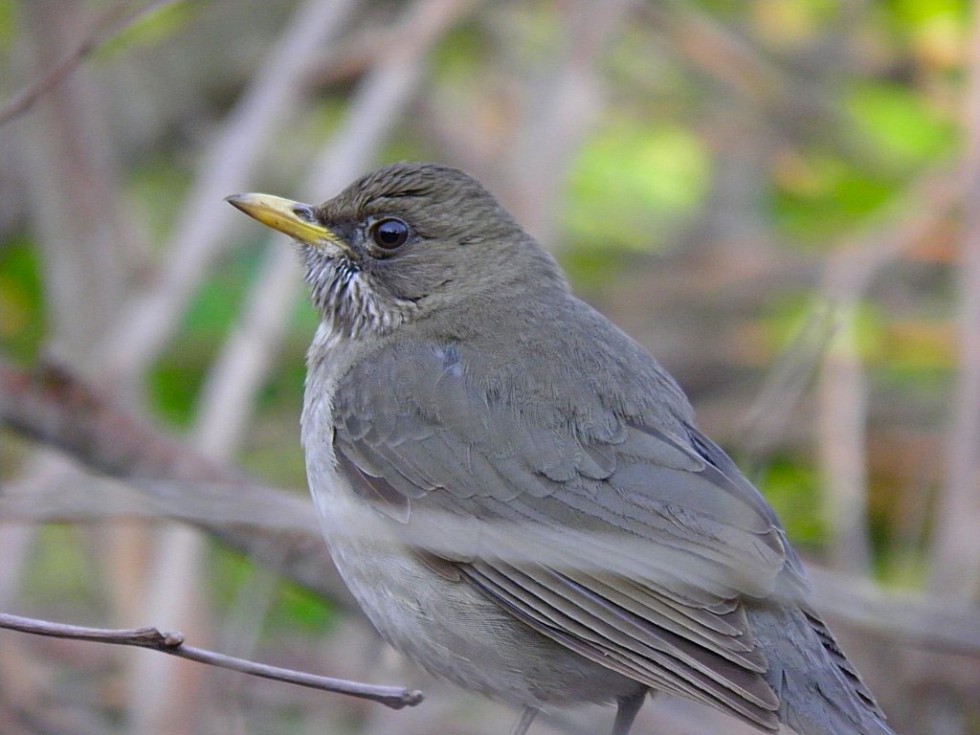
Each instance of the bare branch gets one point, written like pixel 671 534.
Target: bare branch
pixel 110 24
pixel 203 226
pixel 842 407
pixel 54 407
pixel 173 643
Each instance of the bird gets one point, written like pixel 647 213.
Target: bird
pixel 516 492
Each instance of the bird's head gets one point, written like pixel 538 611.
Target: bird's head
pixel 403 243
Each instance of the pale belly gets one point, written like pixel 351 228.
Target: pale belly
pixel 447 626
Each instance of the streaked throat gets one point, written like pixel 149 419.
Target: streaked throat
pixel 348 299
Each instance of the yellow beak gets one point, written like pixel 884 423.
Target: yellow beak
pixel 292 218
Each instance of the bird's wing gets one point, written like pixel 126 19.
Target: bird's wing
pixel 634 547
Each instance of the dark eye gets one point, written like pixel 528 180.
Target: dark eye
pixel 389 234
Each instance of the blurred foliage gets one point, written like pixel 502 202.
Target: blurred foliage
pixel 176 380
pixel 58 573
pixel 865 100
pixel 156 187
pixel 638 183
pixel 634 185
pixel 21 299
pixel 791 488
pixel 292 606
pixel 154 27
pixel 6 23
pixel 901 128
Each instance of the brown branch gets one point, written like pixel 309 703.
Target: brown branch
pixel 51 406
pixel 173 643
pixel 109 25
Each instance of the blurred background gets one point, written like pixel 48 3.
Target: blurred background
pixel 781 199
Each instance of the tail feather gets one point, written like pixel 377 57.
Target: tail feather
pixel 820 692
pixel 851 675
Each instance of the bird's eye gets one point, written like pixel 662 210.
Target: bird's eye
pixel 389 234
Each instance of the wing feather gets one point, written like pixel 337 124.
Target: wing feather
pixel 626 541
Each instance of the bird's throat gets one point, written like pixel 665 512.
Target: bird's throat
pixel 350 301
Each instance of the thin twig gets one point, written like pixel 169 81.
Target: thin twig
pixel 110 25
pixel 173 643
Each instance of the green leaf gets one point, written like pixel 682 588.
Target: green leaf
pixel 900 123
pixel 21 300
pixel 633 185
pixel 791 489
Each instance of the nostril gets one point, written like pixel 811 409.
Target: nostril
pixel 304 212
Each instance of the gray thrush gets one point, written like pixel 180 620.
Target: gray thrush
pixel 516 491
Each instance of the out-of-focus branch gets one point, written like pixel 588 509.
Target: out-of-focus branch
pixel 718 51
pixel 851 267
pixel 384 92
pixel 955 559
pixel 842 407
pixel 205 224
pixel 173 643
pixel 842 394
pixel 53 407
pixel 909 619
pixel 108 26
pixel 559 107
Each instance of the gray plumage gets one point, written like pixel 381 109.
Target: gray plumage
pixel 516 491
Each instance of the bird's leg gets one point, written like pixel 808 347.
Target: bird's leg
pixel 528 713
pixel 626 711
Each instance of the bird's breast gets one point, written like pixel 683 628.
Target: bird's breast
pixel 444 625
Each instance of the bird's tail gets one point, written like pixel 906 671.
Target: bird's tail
pixel 820 692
